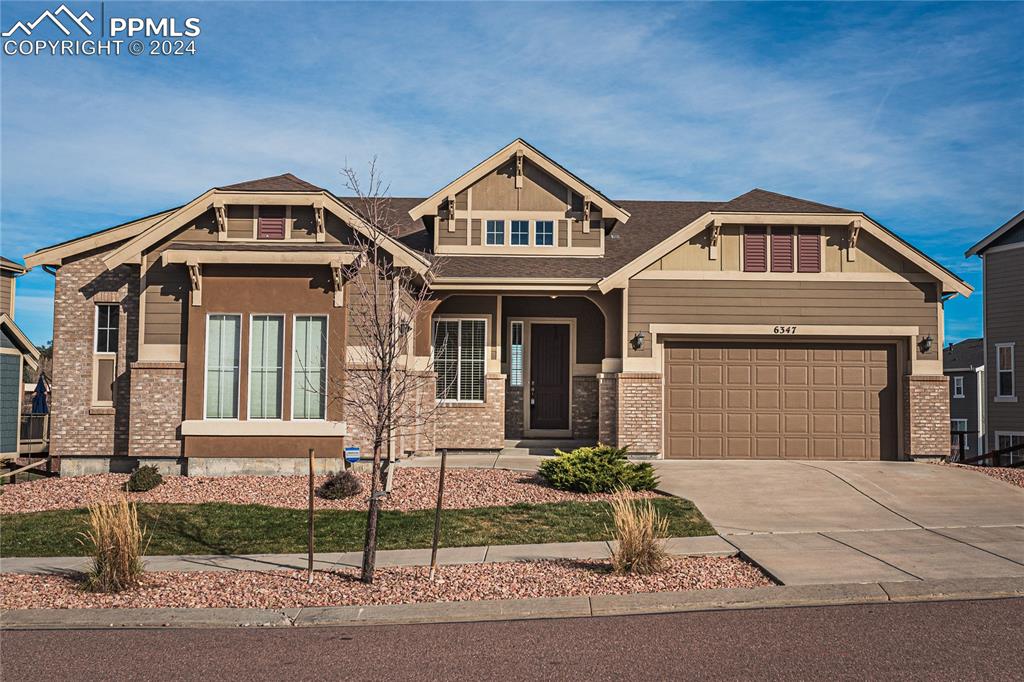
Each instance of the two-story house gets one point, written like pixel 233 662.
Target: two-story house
pixel 764 326
pixel 1002 258
pixel 16 353
pixel 964 364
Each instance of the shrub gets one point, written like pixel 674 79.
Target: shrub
pixel 143 479
pixel 340 485
pixel 639 533
pixel 115 542
pixel 598 469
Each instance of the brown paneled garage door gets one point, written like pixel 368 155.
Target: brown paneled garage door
pixel 780 400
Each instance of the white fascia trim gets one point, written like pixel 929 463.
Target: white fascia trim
pixel 769 330
pixel 270 427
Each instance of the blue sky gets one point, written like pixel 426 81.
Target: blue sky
pixel 910 112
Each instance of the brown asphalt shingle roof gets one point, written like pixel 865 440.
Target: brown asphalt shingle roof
pixel 762 201
pixel 967 353
pixel 285 182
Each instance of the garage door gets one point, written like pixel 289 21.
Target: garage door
pixel 780 400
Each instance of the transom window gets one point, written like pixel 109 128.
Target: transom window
pixel 222 360
pixel 520 233
pixel 958 387
pixel 459 359
pixel 495 232
pixel 545 233
pixel 1004 371
pixel 106 328
pixel 515 354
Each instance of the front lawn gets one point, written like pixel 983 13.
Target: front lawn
pixel 218 528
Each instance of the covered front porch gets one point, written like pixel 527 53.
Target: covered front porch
pixel 524 367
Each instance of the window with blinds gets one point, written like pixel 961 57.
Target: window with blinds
pixel 222 356
pixel 459 359
pixel 309 367
pixel 515 354
pixel 266 368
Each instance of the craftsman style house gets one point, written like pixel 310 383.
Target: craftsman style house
pixel 16 353
pixel 964 364
pixel 1002 257
pixel 760 327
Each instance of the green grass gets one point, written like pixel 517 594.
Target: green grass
pixel 254 529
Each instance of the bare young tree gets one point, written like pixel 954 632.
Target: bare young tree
pixel 387 391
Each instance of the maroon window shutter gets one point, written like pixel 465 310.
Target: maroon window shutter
pixel 271 223
pixel 808 250
pixel 782 249
pixel 755 249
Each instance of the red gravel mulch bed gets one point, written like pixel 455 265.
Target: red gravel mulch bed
pixel 1013 476
pixel 414 488
pixel 288 589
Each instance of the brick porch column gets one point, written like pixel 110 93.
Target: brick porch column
pixel 639 412
pixel 926 414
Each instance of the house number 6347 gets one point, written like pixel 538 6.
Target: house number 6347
pixel 784 329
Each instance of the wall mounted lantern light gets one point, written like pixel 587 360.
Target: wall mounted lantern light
pixel 637 342
pixel 925 344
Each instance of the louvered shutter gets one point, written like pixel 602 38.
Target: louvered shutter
pixel 271 228
pixel 808 250
pixel 782 249
pixel 755 249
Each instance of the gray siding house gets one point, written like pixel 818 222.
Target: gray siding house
pixel 1002 255
pixel 16 352
pixel 964 364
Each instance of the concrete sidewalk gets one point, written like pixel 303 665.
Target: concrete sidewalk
pixel 710 545
pixel 520 609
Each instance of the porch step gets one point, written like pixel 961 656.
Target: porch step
pixel 541 446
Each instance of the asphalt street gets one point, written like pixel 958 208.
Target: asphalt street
pixel 933 641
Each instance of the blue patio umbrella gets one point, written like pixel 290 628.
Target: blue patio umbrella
pixel 40 404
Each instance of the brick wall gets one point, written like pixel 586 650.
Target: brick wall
pixel 474 426
pixel 416 435
pixel 607 402
pixel 158 406
pixel 513 411
pixel 638 421
pixel 585 408
pixel 78 428
pixel 926 410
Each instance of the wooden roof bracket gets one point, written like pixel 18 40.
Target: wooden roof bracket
pixel 450 203
pixel 586 215
pixel 195 276
pixel 321 225
pixel 222 219
pixel 338 280
pixel 519 169
pixel 714 235
pixel 851 245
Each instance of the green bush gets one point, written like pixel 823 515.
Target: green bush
pixel 598 469
pixel 143 479
pixel 340 485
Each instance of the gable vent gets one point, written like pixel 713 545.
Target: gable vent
pixel 755 249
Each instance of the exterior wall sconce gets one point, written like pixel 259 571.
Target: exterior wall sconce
pixel 637 342
pixel 925 344
pixel 404 327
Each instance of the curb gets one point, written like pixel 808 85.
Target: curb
pixel 521 609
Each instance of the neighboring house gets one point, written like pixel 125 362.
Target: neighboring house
pixel 16 353
pixel 1002 258
pixel 760 327
pixel 964 364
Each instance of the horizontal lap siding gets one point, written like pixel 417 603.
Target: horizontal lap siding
pixel 782 302
pixel 1004 323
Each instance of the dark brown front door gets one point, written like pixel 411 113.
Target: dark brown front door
pixel 549 376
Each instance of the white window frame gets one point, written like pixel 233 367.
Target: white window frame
pixel 96 328
pixel 248 370
pixel 554 234
pixel 511 231
pixel 206 360
pixel 522 353
pixel 958 386
pixel 1012 395
pixel 1009 434
pixel 327 357
pixel 954 423
pixel 487 224
pixel 458 359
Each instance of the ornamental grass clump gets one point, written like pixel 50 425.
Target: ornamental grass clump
pixel 116 543
pixel 598 469
pixel 639 533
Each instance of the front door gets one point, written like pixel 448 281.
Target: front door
pixel 549 377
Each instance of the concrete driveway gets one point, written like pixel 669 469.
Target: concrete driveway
pixel 834 522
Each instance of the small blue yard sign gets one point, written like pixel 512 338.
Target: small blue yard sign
pixel 352 455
